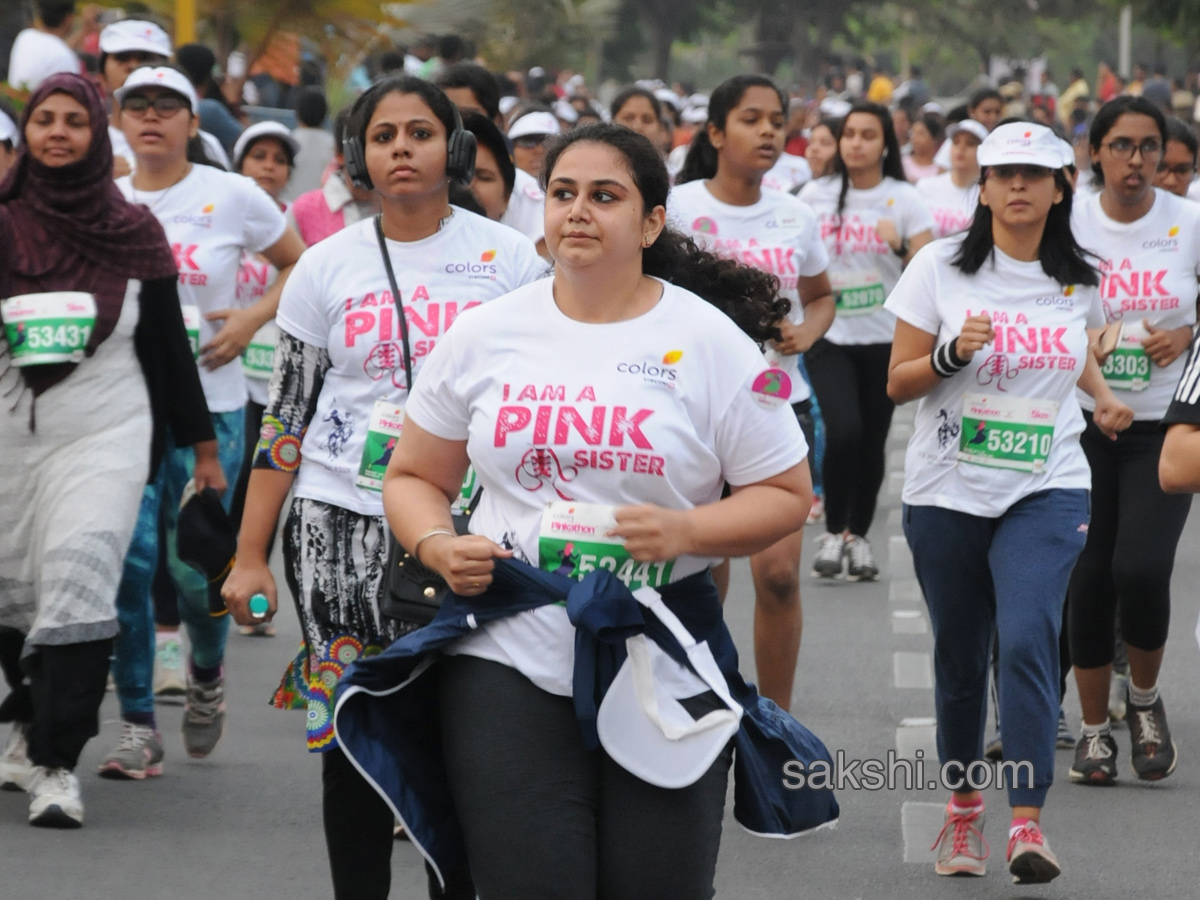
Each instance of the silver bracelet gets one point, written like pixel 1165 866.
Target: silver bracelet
pixel 430 533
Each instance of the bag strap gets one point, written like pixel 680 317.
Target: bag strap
pixel 391 274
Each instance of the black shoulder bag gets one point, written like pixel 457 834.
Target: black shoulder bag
pixel 413 592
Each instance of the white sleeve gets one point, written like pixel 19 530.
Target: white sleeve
pixel 1096 317
pixel 913 299
pixel 263 223
pixel 529 267
pixel 754 440
pixel 302 308
pixel 436 402
pixel 917 217
pixel 816 257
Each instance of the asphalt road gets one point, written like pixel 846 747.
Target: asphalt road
pixel 245 823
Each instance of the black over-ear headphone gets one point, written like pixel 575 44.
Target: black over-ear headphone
pixel 460 145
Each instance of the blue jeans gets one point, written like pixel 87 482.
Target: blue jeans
pixel 133 662
pixel 1007 576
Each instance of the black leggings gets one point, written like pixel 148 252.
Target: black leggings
pixel 544 817
pixel 1130 551
pixel 57 690
pixel 850 381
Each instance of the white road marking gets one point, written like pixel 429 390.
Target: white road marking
pixel 909 621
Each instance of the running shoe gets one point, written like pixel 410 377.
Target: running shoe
pixel 170 684
pixel 817 511
pixel 1154 753
pixel 961 846
pixel 862 565
pixel 54 799
pixel 1030 859
pixel 260 629
pixel 1095 760
pixel 1118 690
pixel 831 550
pixel 203 717
pixel 138 754
pixel 994 751
pixel 16 771
pixel 1064 740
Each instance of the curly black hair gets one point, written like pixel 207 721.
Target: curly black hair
pixel 750 297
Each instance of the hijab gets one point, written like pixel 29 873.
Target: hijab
pixel 68 228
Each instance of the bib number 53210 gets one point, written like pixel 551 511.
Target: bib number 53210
pixel 1007 432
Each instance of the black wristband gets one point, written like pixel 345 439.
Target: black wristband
pixel 946 361
pixel 902 250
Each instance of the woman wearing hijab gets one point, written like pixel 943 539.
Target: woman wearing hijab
pixel 93 342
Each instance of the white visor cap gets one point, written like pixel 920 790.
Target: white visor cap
pixel 1021 143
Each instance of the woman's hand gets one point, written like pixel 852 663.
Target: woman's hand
pixel 466 561
pixel 796 338
pixel 207 471
pixel 1111 415
pixel 231 340
pixel 652 533
pixel 977 333
pixel 886 229
pixel 1165 345
pixel 246 580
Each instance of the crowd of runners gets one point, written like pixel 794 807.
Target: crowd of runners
pixel 696 314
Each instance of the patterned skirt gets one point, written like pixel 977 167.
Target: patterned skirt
pixel 335 563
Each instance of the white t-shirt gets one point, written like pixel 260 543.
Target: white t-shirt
pixel 211 218
pixel 952 207
pixel 1039 352
pixel 778 234
pixel 36 56
pixel 555 409
pixel 254 278
pixel 789 172
pixel 862 267
pixel 1148 271
pixel 1193 191
pixel 526 207
pixel 338 298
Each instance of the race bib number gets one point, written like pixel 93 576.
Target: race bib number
pixel 259 359
pixel 48 328
pixel 574 541
pixel 857 293
pixel 383 431
pixel 463 502
pixel 1128 367
pixel 1007 432
pixel 191 324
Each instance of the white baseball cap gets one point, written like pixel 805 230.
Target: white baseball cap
pixel 834 108
pixel 695 115
pixel 135 34
pixel 566 112
pixel 8 129
pixel 534 123
pixel 159 76
pixel 970 126
pixel 1021 143
pixel 1068 152
pixel 276 130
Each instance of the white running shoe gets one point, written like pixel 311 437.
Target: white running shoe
pixel 16 771
pixel 170 682
pixel 862 565
pixel 54 799
pixel 828 561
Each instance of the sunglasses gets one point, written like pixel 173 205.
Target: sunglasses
pixel 1027 172
pixel 165 106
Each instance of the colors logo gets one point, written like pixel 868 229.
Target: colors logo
pixel 1174 231
pixel 208 207
pixel 487 256
pixel 671 357
pixel 705 225
pixel 1068 290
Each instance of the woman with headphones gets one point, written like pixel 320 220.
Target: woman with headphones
pixel 336 404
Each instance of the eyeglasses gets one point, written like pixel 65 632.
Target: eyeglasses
pixel 165 105
pixel 1027 172
pixel 529 141
pixel 1183 170
pixel 1122 148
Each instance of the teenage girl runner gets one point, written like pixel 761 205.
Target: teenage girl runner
pixel 873 222
pixel 723 207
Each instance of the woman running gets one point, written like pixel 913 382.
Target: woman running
pixel 100 368
pixel 665 400
pixel 267 153
pixel 992 339
pixel 1148 244
pixel 873 222
pixel 719 201
pixel 925 139
pixel 211 219
pixel 1177 168
pixel 337 398
pixel 822 148
pixel 953 196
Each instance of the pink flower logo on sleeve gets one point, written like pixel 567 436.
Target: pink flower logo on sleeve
pixel 771 388
pixel 705 225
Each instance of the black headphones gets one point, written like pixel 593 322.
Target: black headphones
pixel 460 145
